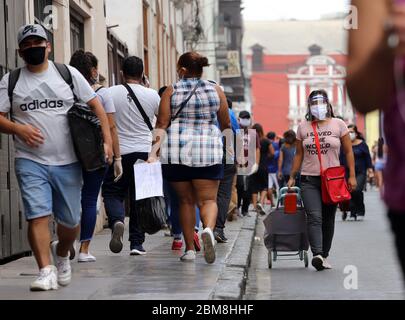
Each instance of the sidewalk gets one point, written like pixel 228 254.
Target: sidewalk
pixel 157 276
pixel 365 245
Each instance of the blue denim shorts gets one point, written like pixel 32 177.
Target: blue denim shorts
pixel 48 190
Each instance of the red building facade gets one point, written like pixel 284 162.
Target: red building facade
pixel 281 84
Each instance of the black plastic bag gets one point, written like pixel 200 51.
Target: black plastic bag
pixel 87 137
pixel 151 214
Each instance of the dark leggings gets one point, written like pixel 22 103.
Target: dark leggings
pixel 321 217
pixel 244 194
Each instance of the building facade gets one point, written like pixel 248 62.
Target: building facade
pixel 291 59
pixel 229 51
pixel 13 228
pixel 153 31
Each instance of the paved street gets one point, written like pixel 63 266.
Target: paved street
pixel 366 244
pixel 158 275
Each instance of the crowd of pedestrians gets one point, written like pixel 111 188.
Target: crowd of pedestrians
pixel 215 164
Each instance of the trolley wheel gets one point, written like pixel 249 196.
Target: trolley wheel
pixel 270 260
pixel 306 261
pixel 302 255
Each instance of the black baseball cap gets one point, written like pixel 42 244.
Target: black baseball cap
pixel 244 115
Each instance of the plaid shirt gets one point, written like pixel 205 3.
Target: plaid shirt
pixel 194 138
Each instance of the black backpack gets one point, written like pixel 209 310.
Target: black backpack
pixel 84 125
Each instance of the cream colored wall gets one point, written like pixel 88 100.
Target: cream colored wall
pixel 128 14
pixel 372 128
pixel 98 42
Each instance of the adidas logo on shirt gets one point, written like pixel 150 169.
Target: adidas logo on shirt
pixel 45 104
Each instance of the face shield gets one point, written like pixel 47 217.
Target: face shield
pixel 319 107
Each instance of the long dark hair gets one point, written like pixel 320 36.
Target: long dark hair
pixel 309 116
pixel 84 62
pixel 259 129
pixel 359 135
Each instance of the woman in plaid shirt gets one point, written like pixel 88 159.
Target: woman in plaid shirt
pixel 191 148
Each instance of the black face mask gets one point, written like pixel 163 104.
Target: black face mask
pixel 34 56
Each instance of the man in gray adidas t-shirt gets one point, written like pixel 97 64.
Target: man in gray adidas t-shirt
pixel 47 169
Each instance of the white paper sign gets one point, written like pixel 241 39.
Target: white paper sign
pixel 148 180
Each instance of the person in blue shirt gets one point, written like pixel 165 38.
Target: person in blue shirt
pixel 273 168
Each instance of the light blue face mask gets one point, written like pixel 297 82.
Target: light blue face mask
pixel 320 111
pixel 245 123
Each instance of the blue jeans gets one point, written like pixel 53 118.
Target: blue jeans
pixel 114 195
pixel 50 189
pixel 91 188
pixel 173 205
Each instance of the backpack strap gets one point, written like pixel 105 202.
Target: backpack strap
pixel 67 76
pixel 12 82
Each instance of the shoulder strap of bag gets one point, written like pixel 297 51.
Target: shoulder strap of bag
pixel 184 103
pixel 139 106
pixel 101 87
pixel 318 145
pixel 12 82
pixel 67 76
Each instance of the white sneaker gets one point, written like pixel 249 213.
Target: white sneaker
pixel 47 280
pixel 86 257
pixel 208 239
pixel 326 264
pixel 188 256
pixel 317 263
pixel 63 266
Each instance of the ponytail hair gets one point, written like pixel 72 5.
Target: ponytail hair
pixel 194 63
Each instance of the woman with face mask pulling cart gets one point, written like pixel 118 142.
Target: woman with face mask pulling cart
pixel 323 132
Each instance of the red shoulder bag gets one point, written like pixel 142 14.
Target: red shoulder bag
pixel 334 185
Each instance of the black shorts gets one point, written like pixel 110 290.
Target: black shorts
pixel 182 173
pixel 259 181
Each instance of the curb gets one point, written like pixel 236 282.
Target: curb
pixel 231 282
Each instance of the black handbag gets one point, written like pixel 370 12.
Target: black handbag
pixel 85 128
pixel 87 137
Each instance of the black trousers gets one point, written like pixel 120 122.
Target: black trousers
pixel 114 195
pixel 398 227
pixel 244 193
pixel 357 202
pixel 224 196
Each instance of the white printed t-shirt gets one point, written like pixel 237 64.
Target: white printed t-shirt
pixel 133 133
pixel 43 100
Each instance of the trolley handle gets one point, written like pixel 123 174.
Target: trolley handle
pixel 286 190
